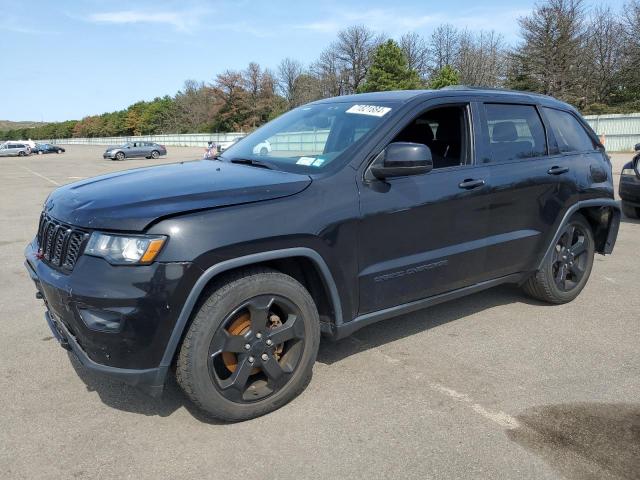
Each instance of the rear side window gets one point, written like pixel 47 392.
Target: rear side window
pixel 570 135
pixel 515 132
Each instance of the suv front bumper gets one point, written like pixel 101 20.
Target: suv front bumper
pixel 142 301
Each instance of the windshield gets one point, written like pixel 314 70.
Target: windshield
pixel 309 138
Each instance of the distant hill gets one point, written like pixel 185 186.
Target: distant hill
pixel 9 125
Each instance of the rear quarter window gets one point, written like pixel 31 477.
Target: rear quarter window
pixel 570 134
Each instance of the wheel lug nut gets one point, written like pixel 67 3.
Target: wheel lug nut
pixel 265 357
pixel 251 359
pixel 258 335
pixel 247 346
pixel 269 342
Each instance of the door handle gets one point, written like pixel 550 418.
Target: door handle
pixel 557 170
pixel 471 183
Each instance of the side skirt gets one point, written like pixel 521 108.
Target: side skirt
pixel 341 331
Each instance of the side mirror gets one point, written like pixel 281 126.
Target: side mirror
pixel 637 147
pixel 400 159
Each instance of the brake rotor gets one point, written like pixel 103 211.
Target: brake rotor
pixel 240 326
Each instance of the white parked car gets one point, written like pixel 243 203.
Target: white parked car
pixel 262 148
pixel 14 149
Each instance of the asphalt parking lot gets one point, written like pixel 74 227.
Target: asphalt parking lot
pixel 493 386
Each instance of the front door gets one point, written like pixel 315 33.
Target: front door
pixel 425 234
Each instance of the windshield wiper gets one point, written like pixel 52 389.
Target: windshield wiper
pixel 253 163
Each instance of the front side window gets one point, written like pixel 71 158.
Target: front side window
pixel 310 138
pixel 570 135
pixel 515 132
pixel 445 130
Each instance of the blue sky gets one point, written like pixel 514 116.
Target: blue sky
pixel 67 59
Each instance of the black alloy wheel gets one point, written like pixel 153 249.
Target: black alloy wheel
pixel 570 259
pixel 251 346
pixel 566 268
pixel 256 349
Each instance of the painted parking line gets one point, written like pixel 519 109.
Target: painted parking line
pixel 39 175
pixel 498 417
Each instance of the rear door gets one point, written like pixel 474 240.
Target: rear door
pixel 531 185
pixel 137 150
pixel 422 235
pixel 591 165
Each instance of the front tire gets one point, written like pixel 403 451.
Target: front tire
pixel 630 211
pixel 251 347
pixel 566 269
pixel 120 156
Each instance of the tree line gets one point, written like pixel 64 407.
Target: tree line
pixel 589 57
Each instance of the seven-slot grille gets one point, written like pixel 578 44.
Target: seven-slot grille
pixel 59 244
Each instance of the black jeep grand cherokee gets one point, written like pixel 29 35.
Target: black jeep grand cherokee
pixel 362 208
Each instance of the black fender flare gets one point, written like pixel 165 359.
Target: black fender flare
pixel 244 261
pixel 614 223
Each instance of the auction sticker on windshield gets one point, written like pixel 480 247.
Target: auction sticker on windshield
pixel 373 110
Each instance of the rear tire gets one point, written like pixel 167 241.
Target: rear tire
pixel 21 154
pixel 630 211
pixel 275 317
pixel 155 154
pixel 566 269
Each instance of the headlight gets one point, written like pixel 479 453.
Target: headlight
pixel 628 171
pixel 125 249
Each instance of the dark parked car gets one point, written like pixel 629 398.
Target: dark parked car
pixel 630 186
pixel 135 149
pixel 42 148
pixel 228 270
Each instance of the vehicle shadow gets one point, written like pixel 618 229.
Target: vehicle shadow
pixel 129 399
pixel 396 328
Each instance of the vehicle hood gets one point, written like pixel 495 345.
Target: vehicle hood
pixel 132 199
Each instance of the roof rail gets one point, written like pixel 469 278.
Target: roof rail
pixel 492 89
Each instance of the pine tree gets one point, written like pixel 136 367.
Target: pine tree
pixel 444 77
pixel 390 71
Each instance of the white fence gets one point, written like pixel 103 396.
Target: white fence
pixel 179 140
pixel 305 141
pixel 620 131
